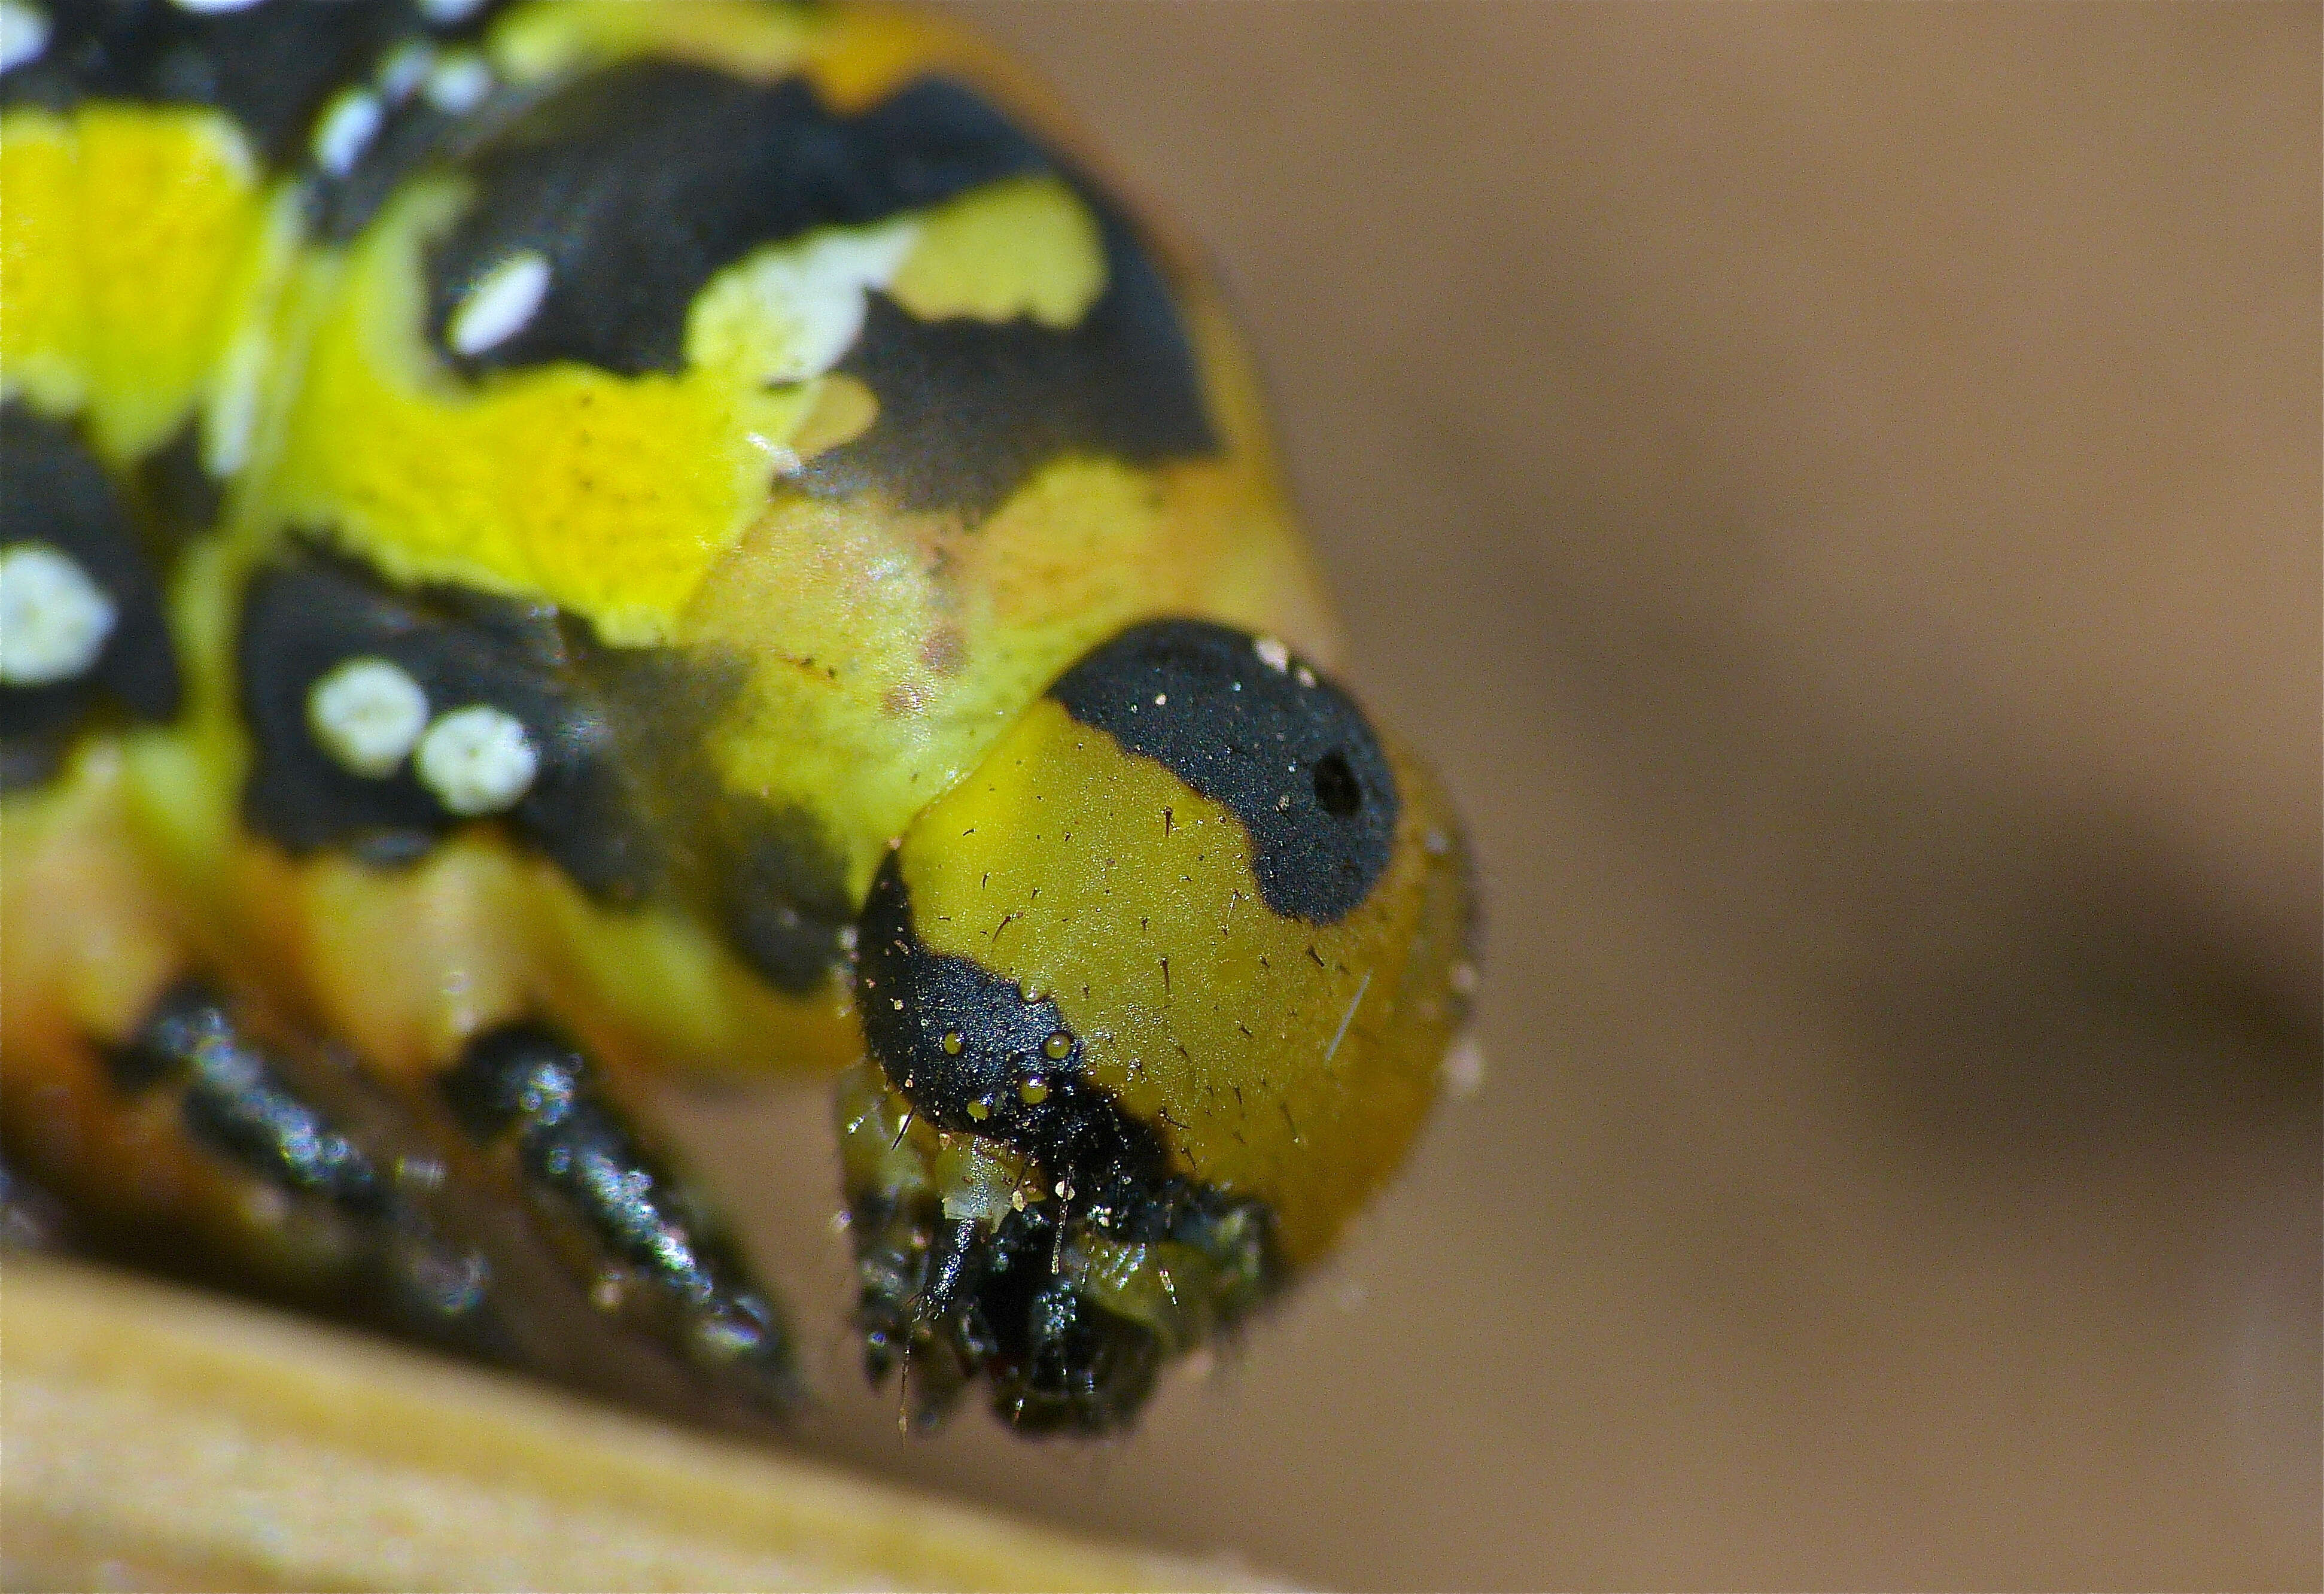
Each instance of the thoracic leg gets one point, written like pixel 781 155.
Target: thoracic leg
pixel 235 1104
pixel 613 1208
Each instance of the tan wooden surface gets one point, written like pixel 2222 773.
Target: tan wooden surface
pixel 150 1437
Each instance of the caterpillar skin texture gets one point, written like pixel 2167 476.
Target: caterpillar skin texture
pixel 551 544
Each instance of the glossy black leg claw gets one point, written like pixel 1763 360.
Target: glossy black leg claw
pixel 646 1247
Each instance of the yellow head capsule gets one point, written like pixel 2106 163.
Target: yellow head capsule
pixel 1245 911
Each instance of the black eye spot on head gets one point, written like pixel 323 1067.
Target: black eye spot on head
pixel 1338 792
pixel 1286 752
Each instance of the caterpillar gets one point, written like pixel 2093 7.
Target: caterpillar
pixel 557 545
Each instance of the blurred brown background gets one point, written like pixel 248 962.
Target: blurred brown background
pixel 1838 491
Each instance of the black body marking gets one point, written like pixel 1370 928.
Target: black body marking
pixel 627 1225
pixel 180 498
pixel 620 799
pixel 640 183
pixel 301 620
pixel 271 66
pixel 1286 752
pixel 968 408
pixel 782 897
pixel 53 491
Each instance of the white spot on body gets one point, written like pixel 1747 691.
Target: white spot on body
pixel 53 619
pixel 206 7
pixel 1304 675
pixel 348 125
pixel 444 14
pixel 459 83
pixel 23 33
pixel 404 71
pixel 792 311
pixel 476 760
pixel 367 714
pixel 1272 654
pixel 499 304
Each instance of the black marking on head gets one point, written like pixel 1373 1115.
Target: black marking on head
pixel 915 1001
pixel 588 1174
pixel 1285 750
pixel 53 491
pixel 301 621
pixel 271 66
pixel 959 1300
pixel 638 184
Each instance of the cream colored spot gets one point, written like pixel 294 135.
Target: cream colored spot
pixel 1022 246
pixel 23 33
pixel 346 129
pixel 367 713
pixel 459 83
pixel 445 13
pixel 500 304
pixel 476 760
pixel 404 71
pixel 1272 654
pixel 53 619
pixel 789 313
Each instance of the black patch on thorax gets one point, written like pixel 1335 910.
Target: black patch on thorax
pixel 638 184
pixel 968 408
pixel 53 491
pixel 1285 750
pixel 303 620
pixel 271 67
pixel 622 800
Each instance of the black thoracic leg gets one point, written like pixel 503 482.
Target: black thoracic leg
pixel 237 1102
pixel 644 1246
pixel 31 1219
